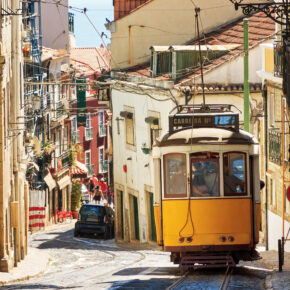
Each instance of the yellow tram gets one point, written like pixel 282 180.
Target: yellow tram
pixel 207 184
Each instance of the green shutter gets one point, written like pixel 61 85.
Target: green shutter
pixel 81 102
pixel 153 227
pixel 136 217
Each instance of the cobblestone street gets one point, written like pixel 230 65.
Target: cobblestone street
pixel 91 263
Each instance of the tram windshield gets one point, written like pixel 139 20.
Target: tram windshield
pixel 175 175
pixel 205 174
pixel 235 174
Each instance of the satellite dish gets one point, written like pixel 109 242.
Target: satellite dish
pixel 36 146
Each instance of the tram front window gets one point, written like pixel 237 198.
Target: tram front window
pixel 235 174
pixel 175 175
pixel 204 175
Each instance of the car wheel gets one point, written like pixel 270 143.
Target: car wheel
pixel 76 233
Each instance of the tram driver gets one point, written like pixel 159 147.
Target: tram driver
pixel 205 179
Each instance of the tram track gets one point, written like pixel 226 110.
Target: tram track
pixel 221 282
pixel 227 279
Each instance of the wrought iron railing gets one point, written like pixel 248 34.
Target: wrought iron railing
pixel 71 21
pixel 103 166
pixel 88 134
pixel 275 147
pixel 91 169
pixel 102 130
pixel 60 109
pixel 278 60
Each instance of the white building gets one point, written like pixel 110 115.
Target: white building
pixel 141 105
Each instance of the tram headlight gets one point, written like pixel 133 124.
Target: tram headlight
pixel 181 240
pixel 222 239
pixel 189 239
pixel 231 238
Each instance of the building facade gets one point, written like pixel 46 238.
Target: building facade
pixel 276 143
pixel 13 158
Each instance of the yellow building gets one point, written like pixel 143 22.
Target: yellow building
pixel 13 187
pixel 276 148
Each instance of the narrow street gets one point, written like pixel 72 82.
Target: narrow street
pixel 92 263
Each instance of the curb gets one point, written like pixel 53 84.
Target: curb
pixel 28 277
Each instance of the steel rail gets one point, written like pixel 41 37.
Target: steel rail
pixel 227 279
pixel 178 282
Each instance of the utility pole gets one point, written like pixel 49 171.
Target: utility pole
pixel 246 77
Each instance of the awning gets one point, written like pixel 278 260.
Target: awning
pixel 126 114
pixel 50 181
pixel 79 169
pixel 62 183
pixel 152 120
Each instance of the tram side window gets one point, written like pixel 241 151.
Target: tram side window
pixel 205 174
pixel 235 183
pixel 175 175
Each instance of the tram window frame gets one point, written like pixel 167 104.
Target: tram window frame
pixel 180 195
pixel 198 157
pixel 238 194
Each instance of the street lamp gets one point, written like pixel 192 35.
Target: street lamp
pixel 276 10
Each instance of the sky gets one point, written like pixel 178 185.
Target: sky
pixel 98 11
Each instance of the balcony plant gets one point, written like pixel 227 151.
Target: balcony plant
pixel 279 50
pixel 76 194
pixel 145 148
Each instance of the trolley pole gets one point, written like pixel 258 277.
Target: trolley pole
pixel 246 77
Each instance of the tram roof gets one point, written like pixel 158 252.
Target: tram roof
pixel 206 136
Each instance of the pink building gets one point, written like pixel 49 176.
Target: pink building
pixel 92 139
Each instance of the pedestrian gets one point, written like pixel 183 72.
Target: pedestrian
pixel 98 195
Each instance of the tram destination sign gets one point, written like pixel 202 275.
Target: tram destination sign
pixel 204 121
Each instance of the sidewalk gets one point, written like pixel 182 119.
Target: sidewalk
pixel 277 280
pixel 34 264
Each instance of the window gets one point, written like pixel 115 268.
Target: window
pixel 205 174
pixel 235 178
pixel 102 126
pixel 88 121
pixel 65 138
pixel 74 124
pixel 129 122
pixel 175 175
pixel 272 110
pixel 88 158
pixel 154 126
pixel 101 159
pixel 87 87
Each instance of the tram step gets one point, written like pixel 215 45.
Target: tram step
pixel 206 261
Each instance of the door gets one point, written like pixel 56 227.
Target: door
pixel 122 214
pixel 153 228
pixel 136 217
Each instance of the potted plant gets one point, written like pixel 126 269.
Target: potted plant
pixel 76 194
pixel 145 149
pixel 279 49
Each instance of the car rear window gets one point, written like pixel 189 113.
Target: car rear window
pixel 98 210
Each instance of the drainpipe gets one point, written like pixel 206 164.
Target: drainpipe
pixel 266 158
pixel 246 77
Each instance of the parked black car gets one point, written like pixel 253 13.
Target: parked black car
pixel 95 219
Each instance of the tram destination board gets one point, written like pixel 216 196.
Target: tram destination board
pixel 204 121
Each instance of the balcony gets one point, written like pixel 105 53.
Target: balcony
pixel 103 166
pixel 60 109
pixel 275 147
pixel 71 20
pixel 91 169
pixel 278 60
pixel 88 134
pixel 75 137
pixel 62 161
pixel 102 130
